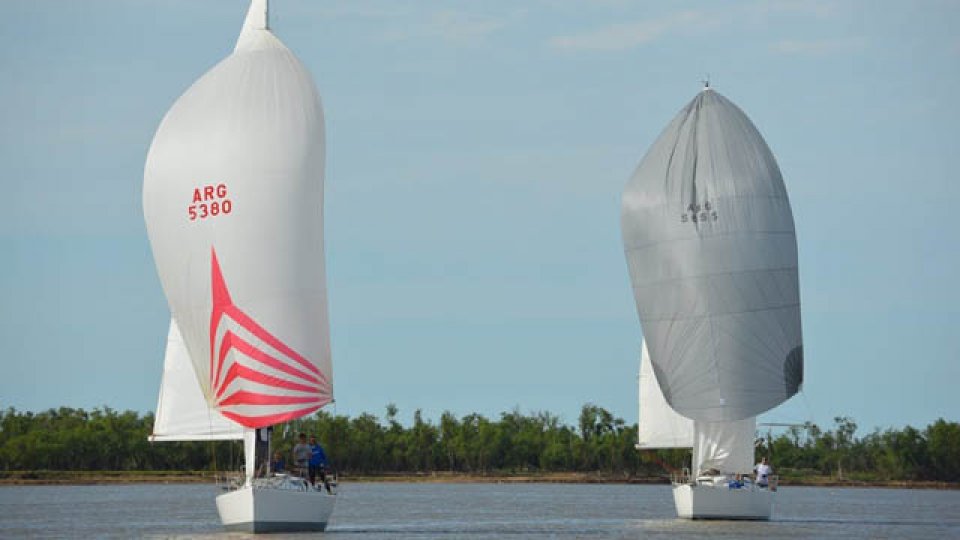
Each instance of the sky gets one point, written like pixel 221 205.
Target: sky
pixel 476 154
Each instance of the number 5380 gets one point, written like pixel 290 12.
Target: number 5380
pixel 206 210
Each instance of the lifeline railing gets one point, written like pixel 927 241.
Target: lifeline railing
pixel 732 481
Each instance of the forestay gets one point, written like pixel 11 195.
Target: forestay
pixel 233 201
pixel 710 244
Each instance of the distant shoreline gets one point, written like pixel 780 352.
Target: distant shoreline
pixel 72 478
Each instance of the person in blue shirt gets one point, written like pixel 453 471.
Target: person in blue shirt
pixel 318 463
pixel 736 482
pixel 277 464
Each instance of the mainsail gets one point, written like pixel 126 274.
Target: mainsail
pixel 710 244
pixel 182 412
pixel 660 426
pixel 233 202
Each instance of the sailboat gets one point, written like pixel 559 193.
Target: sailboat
pixel 711 249
pixel 233 203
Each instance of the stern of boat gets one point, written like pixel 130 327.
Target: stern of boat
pixel 275 505
pixel 715 498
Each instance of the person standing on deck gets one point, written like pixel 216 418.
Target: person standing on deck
pixel 301 456
pixel 764 471
pixel 318 463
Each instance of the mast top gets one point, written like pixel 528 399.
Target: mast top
pixel 255 33
pixel 258 16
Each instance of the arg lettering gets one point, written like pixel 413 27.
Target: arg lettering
pixel 209 201
pixel 697 213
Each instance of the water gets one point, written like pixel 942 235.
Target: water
pixel 400 510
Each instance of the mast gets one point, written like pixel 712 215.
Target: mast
pixel 258 16
pixel 249 455
pixel 255 32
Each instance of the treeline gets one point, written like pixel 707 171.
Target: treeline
pixel 908 454
pixel 68 439
pixel 105 439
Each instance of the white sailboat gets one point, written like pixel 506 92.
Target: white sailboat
pixel 711 249
pixel 717 447
pixel 233 203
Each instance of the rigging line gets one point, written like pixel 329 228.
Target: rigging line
pixel 213 453
pixel 656 458
pixel 807 406
pixel 211 446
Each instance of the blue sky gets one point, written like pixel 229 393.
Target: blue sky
pixel 476 156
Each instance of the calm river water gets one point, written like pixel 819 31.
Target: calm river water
pixel 397 510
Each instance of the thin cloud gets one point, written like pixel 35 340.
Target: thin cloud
pixel 454 26
pixel 818 46
pixel 357 10
pixel 821 9
pixel 622 36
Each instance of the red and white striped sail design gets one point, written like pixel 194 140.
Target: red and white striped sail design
pixel 257 379
pixel 233 196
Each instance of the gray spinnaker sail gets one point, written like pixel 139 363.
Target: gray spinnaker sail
pixel 711 248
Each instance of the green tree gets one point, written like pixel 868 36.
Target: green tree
pixel 943 450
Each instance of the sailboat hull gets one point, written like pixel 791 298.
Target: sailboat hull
pixel 263 509
pixel 716 502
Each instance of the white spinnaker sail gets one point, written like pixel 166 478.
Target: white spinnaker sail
pixel 660 426
pixel 182 411
pixel 727 447
pixel 233 202
pixel 710 244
